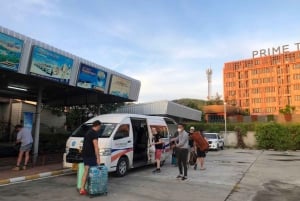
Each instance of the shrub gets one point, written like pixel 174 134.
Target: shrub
pixel 278 137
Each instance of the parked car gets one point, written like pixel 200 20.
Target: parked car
pixel 214 140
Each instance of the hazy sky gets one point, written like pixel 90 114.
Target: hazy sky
pixel 166 44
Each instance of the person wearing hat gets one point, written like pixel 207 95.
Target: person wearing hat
pixel 191 142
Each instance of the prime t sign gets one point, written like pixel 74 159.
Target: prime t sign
pixel 274 50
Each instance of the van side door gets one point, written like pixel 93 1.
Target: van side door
pixel 122 143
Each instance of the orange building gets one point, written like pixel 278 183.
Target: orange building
pixel 263 85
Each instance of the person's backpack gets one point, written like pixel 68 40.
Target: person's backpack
pixel 193 158
pixel 200 141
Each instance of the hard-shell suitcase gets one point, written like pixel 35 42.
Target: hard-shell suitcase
pixel 97 180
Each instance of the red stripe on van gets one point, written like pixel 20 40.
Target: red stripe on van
pixel 118 155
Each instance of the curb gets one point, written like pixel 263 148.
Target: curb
pixel 34 176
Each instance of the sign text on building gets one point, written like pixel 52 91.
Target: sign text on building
pixel 274 50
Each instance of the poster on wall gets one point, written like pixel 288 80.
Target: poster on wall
pixel 28 120
pixel 50 65
pixel 119 86
pixel 10 52
pixel 91 78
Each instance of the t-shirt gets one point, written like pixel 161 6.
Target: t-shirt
pixel 88 149
pixel 157 137
pixel 183 140
pixel 24 135
pixel 191 141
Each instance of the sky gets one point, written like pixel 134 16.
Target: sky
pixel 166 44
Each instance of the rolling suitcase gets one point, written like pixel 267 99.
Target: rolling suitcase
pixel 97 180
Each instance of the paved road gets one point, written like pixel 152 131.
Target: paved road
pixel 233 175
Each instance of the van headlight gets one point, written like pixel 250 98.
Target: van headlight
pixel 105 152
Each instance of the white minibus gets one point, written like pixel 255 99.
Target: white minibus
pixel 124 141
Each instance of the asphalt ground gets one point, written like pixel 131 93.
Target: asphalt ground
pixel 231 174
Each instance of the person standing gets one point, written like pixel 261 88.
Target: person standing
pixel 191 143
pixel 158 149
pixel 25 138
pixel 182 148
pixel 200 146
pixel 90 153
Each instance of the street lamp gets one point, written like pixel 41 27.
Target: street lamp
pixel 225 122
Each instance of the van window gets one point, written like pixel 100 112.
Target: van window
pixel 122 132
pixel 105 131
pixel 162 130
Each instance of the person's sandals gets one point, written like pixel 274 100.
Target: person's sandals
pixel 17 168
pixel 83 192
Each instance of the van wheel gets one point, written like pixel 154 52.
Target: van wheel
pixel 122 167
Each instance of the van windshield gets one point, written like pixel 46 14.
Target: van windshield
pixel 105 131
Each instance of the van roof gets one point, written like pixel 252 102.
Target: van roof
pixel 116 118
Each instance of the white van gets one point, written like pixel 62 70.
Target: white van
pixel 124 141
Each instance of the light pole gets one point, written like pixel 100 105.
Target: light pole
pixel 225 122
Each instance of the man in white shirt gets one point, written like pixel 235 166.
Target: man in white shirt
pixel 25 138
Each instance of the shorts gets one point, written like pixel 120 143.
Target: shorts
pixel 201 154
pixel 26 147
pixel 158 153
pixel 90 161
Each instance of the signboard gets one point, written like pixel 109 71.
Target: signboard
pixel 119 86
pixel 50 65
pixel 91 78
pixel 10 52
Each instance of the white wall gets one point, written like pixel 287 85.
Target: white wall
pixel 231 139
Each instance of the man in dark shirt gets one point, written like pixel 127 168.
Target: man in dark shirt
pixel 90 152
pixel 158 149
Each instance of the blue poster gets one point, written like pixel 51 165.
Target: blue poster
pixel 10 52
pixel 50 65
pixel 28 120
pixel 91 78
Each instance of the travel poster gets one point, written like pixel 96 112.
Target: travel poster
pixel 119 86
pixel 91 78
pixel 28 120
pixel 10 52
pixel 50 65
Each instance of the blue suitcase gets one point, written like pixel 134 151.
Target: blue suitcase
pixel 97 180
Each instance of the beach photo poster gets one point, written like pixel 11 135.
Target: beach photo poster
pixel 10 52
pixel 50 65
pixel 119 86
pixel 91 78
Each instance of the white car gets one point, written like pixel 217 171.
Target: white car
pixel 214 140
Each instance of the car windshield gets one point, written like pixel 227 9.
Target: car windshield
pixel 210 135
pixel 105 131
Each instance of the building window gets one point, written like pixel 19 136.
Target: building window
pixel 297 66
pixel 296 76
pixel 297 98
pixel 296 86
pixel 256 110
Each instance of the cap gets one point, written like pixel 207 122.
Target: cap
pixel 192 128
